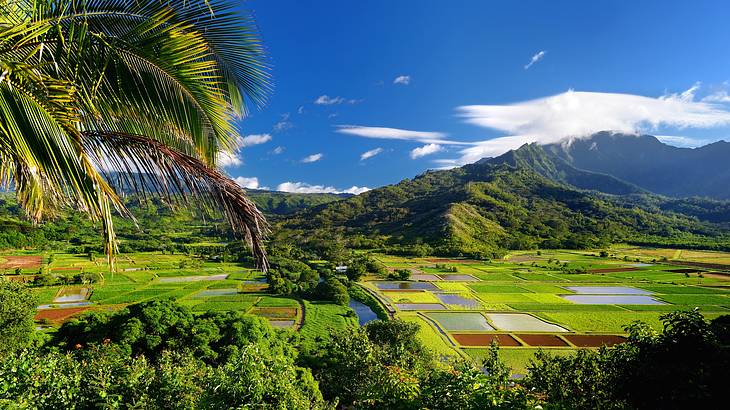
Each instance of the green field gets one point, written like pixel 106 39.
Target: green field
pixel 140 277
pixel 534 283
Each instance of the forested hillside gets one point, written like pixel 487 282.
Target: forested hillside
pixel 488 207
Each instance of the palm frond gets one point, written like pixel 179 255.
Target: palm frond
pixel 146 165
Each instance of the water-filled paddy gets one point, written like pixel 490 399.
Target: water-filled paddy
pixel 405 286
pixel 364 313
pixel 64 305
pixel 420 306
pixel 607 290
pixel 612 299
pixel 69 295
pixel 215 292
pixel 193 278
pixel 521 322
pixel 458 300
pixel 281 323
pixel 461 321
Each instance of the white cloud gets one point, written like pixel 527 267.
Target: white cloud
pixel 304 188
pixel 427 149
pixel 680 141
pixel 369 154
pixel 536 58
pixel 327 100
pixel 720 96
pixel 577 114
pixel 402 79
pixel 580 114
pixel 249 183
pixel 312 158
pixel 300 110
pixel 253 139
pixel 426 137
pixel 278 150
pixel 228 159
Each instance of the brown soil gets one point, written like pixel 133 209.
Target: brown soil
pixel 25 262
pixel 704 265
pixel 542 340
pixel 595 340
pixel 275 312
pixel 481 339
pixel 686 271
pixel 58 315
pixel 610 270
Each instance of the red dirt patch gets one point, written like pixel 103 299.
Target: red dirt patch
pixel 275 312
pixel 543 340
pixel 481 339
pixel 25 262
pixel 686 270
pixel 595 340
pixel 58 315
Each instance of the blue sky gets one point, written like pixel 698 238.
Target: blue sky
pixel 429 84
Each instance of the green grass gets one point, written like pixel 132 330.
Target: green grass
pixel 489 288
pixel 321 319
pixel 430 337
pixel 613 322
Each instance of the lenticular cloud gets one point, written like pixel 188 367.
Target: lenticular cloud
pixel 576 114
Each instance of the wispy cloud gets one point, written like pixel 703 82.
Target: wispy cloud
pixel 305 188
pixel 327 100
pixel 427 149
pixel 683 142
pixel 284 124
pixel 369 154
pixel 278 150
pixel 426 137
pixel 402 80
pixel 312 158
pixel 249 183
pixel 535 59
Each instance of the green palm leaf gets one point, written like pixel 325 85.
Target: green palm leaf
pixel 86 83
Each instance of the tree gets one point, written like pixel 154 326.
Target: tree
pixel 17 309
pixel 149 89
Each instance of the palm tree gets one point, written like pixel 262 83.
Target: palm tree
pixel 99 94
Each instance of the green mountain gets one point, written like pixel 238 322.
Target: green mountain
pixel 274 203
pixel 521 200
pixel 646 162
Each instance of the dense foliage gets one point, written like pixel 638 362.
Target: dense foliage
pixel 160 355
pixel 685 366
pixel 17 308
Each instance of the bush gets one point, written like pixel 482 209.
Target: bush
pixel 17 309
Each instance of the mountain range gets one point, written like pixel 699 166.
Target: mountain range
pixel 586 193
